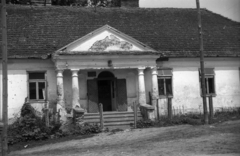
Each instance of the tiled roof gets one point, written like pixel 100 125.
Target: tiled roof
pixel 36 32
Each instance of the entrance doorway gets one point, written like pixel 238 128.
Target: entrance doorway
pixel 106 90
pixel 109 91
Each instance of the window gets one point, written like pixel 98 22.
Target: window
pixel 37 86
pixel 165 82
pixel 209 81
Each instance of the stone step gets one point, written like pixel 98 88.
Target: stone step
pixel 94 120
pixel 111 116
pixel 118 123
pixel 118 120
pixel 121 120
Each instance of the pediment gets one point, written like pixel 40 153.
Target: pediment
pixel 105 39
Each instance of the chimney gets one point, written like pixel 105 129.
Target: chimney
pixel 129 3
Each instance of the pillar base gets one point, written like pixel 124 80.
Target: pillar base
pixel 61 114
pixel 147 112
pixel 78 115
pixel 78 110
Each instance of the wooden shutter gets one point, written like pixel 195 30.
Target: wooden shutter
pixel 121 95
pixel 92 96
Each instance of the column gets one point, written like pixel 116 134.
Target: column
pixel 155 93
pixel 60 91
pixel 75 90
pixel 61 115
pixel 141 86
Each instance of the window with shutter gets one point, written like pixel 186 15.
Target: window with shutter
pixel 36 86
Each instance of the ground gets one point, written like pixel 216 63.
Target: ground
pixel 185 140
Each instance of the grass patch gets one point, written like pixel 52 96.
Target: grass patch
pixel 220 115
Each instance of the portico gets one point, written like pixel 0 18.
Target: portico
pixel 107 67
pixel 76 88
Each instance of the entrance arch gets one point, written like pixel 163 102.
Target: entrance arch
pixel 106 74
pixel 106 90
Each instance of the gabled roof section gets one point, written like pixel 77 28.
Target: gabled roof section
pixel 37 32
pixel 105 40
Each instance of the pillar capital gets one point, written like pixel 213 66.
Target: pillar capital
pixel 59 72
pixel 154 70
pixel 141 70
pixel 74 72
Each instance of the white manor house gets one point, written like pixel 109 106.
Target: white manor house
pixel 73 57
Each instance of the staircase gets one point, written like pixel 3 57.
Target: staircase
pixel 113 120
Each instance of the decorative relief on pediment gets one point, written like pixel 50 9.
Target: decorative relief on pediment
pixel 111 43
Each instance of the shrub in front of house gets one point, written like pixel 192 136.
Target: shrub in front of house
pixel 30 127
pixel 86 129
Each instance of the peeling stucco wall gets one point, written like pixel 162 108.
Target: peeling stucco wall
pixel 186 84
pixel 227 87
pixel 18 83
pixel 186 89
pixel 17 91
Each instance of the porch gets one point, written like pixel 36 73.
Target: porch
pixel 108 67
pixel 116 89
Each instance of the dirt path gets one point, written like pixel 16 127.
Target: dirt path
pixel 219 139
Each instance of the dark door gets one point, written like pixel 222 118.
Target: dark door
pixel 105 94
pixel 92 96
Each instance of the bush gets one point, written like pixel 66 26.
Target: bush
pixel 31 127
pixel 27 128
pixel 145 123
pixel 86 129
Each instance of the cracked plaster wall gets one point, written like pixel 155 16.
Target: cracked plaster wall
pixel 186 85
pixel 18 82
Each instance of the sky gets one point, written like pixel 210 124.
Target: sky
pixel 227 8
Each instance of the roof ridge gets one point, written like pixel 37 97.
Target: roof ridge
pixel 46 29
pixel 77 7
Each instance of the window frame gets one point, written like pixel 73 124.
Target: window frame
pixel 37 81
pixel 164 77
pixel 207 76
